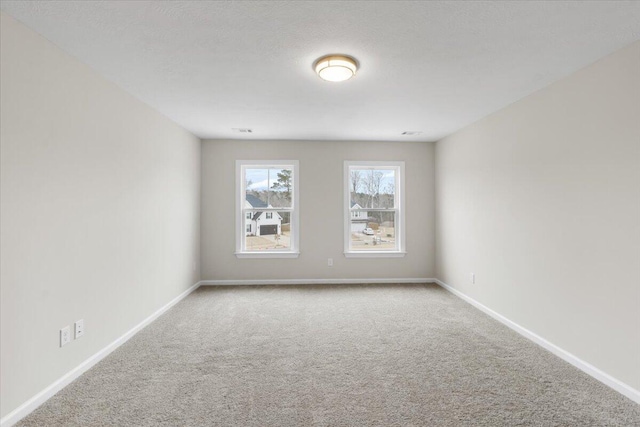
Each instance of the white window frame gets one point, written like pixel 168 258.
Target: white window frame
pixel 400 225
pixel 293 251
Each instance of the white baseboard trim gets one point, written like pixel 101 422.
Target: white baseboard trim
pixel 587 368
pixel 37 400
pixel 30 405
pixel 314 281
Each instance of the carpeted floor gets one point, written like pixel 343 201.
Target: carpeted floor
pixel 369 355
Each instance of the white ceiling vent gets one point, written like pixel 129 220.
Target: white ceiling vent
pixel 242 130
pixel 412 132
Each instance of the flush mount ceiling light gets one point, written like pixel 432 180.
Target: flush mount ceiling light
pixel 336 68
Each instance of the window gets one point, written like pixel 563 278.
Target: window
pixel 374 209
pixel 267 209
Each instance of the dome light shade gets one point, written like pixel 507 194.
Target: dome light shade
pixel 336 68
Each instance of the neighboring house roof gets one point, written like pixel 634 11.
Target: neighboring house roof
pixel 355 205
pixel 257 203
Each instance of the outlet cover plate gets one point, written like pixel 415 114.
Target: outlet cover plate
pixel 65 336
pixel 79 328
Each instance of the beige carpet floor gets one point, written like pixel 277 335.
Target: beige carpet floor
pixel 369 355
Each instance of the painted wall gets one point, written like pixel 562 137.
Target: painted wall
pixel 541 200
pixel 321 210
pixel 100 211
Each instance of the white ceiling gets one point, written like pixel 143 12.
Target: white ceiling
pixel 427 66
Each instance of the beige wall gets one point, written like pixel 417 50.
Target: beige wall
pixel 542 201
pixel 100 211
pixel 321 210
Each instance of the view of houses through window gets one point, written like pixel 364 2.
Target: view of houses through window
pixel 373 207
pixel 268 204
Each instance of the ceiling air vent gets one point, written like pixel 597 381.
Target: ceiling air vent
pixel 412 132
pixel 242 130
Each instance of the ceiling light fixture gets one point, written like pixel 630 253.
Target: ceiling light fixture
pixel 336 68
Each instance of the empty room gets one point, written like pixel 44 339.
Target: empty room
pixel 320 213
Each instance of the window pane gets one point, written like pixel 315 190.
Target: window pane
pixel 375 232
pixel 268 233
pixel 269 187
pixel 281 190
pixel 372 188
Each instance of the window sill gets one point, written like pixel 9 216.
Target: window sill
pixel 376 254
pixel 267 254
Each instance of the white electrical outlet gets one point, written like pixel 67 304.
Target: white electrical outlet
pixel 472 277
pixel 65 336
pixel 330 262
pixel 79 328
